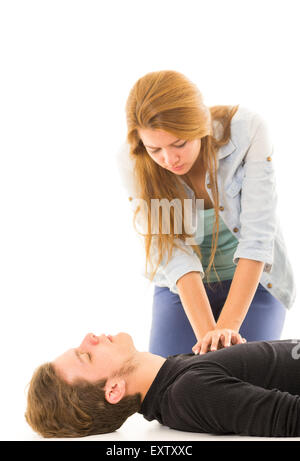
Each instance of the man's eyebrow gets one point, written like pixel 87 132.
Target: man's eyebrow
pixel 152 147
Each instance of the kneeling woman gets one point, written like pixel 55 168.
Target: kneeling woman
pixel 230 279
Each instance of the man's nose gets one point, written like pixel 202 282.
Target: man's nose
pixel 90 339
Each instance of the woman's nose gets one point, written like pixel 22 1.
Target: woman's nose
pixel 171 159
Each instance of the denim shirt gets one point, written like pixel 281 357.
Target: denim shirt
pixel 247 197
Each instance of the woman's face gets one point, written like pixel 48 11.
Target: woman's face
pixel 170 152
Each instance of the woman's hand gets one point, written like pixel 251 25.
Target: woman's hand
pixel 217 339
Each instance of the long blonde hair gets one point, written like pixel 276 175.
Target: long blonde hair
pixel 168 100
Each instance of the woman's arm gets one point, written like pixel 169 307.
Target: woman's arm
pixel 243 287
pixel 208 332
pixel 195 303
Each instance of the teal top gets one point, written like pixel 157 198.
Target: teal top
pixel 227 244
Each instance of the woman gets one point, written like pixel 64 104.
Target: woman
pixel 234 280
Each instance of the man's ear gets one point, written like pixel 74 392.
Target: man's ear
pixel 115 390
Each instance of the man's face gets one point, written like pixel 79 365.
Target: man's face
pixel 97 357
pixel 169 151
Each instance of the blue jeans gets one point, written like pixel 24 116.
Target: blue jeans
pixel 171 332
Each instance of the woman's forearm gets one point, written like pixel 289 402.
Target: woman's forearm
pixel 242 289
pixel 196 303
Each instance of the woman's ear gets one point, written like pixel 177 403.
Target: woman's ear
pixel 115 390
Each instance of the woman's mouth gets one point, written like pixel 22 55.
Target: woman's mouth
pixel 177 168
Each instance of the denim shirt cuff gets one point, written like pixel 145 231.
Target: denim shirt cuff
pixel 179 265
pixel 175 271
pixel 256 255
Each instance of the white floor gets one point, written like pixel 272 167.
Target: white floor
pixel 137 428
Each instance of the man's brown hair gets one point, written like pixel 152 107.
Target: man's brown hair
pixel 56 408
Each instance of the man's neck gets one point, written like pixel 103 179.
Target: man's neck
pixel 148 365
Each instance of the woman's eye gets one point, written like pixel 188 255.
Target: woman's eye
pixel 181 145
pixel 178 147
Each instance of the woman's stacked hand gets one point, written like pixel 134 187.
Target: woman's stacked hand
pixel 217 339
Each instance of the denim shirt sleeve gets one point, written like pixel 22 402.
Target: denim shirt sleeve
pixel 258 219
pixel 182 261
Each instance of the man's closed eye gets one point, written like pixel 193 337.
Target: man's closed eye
pixel 88 354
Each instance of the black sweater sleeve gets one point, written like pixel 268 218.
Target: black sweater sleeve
pixel 216 402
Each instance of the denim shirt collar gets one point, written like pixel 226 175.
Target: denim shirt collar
pixel 226 150
pixel 223 152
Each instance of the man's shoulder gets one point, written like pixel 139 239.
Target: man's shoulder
pixel 194 371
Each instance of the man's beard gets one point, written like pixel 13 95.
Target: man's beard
pixel 128 368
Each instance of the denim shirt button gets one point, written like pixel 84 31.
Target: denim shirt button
pixel 221 208
pixel 269 159
pixel 235 229
pixel 269 285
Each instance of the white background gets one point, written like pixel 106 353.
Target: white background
pixel 70 261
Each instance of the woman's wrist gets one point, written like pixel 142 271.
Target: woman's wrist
pixel 231 324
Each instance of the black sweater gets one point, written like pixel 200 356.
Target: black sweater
pixel 247 389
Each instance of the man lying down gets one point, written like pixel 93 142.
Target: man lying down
pixel 247 389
